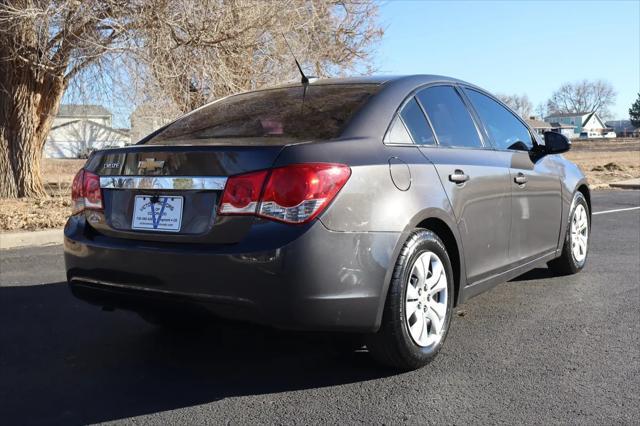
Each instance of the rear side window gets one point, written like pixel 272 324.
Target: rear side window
pixel 450 118
pixel 506 131
pixel 287 114
pixel 411 119
pixel 398 133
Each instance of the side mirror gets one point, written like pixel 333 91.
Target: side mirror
pixel 556 143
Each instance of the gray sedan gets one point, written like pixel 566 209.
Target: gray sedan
pixel 364 205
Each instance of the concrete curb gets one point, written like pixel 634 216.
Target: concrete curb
pixel 626 184
pixel 9 240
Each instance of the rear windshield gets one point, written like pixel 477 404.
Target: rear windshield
pixel 294 114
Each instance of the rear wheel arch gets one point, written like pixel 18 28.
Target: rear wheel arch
pixel 444 232
pixel 439 222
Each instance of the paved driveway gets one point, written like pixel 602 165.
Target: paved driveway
pixel 537 350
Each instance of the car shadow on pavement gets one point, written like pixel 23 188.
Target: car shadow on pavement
pixel 536 274
pixel 63 361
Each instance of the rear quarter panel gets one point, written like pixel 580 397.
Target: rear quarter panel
pixel 370 203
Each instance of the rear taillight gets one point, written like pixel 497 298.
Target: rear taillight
pixel 86 192
pixel 76 193
pixel 292 194
pixel 242 193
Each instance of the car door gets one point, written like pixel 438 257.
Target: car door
pixel 535 183
pixel 475 178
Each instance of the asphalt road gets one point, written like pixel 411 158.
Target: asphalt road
pixel 538 349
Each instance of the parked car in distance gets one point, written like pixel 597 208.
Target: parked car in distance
pixel 366 205
pixel 609 135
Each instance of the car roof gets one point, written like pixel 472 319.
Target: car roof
pixel 374 79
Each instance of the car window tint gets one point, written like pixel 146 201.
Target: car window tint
pixel 506 131
pixel 288 114
pixel 417 124
pixel 449 116
pixel 398 133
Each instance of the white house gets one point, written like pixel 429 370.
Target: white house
pixel 79 129
pixel 147 118
pixel 588 122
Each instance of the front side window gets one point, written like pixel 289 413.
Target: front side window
pixel 450 118
pixel 506 131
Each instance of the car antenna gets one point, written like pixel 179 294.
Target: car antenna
pixel 304 80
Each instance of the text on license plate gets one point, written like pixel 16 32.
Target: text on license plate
pixel 157 213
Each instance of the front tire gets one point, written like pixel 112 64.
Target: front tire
pixel 418 307
pixel 576 242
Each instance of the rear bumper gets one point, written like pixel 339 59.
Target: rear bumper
pixel 311 278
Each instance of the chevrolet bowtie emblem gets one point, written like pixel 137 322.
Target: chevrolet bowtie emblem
pixel 150 164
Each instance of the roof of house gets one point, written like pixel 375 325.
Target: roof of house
pixel 538 124
pixel 557 125
pixel 588 117
pixel 75 110
pixel 593 114
pixel 568 114
pixel 123 132
pixel 621 125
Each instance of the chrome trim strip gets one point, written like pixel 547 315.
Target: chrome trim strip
pixel 165 183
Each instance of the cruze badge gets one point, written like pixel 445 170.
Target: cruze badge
pixel 150 164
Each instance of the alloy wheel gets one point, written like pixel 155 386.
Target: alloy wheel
pixel 579 233
pixel 426 300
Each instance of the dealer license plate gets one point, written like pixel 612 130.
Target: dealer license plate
pixel 157 213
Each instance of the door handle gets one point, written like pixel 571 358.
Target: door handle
pixel 458 177
pixel 520 179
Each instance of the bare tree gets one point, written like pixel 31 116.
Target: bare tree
pixel 184 51
pixel 541 111
pixel 583 96
pixel 519 103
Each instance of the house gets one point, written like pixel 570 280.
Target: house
pixel 566 129
pixel 588 122
pixel 147 118
pixel 538 125
pixel 79 129
pixel 623 128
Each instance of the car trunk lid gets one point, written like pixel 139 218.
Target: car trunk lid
pixel 171 193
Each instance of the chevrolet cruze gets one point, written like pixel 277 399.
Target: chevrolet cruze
pixel 364 205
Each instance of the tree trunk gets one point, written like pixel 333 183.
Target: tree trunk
pixel 28 103
pixel 8 188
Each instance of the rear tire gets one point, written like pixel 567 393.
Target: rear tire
pixel 418 308
pixel 575 248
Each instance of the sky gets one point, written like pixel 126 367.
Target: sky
pixel 516 47
pixel 506 47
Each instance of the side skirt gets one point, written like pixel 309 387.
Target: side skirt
pixel 485 284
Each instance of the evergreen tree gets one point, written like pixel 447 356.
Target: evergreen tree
pixel 634 113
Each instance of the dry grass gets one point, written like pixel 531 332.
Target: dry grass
pixel 601 161
pixel 607 161
pixel 29 214
pixel 34 214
